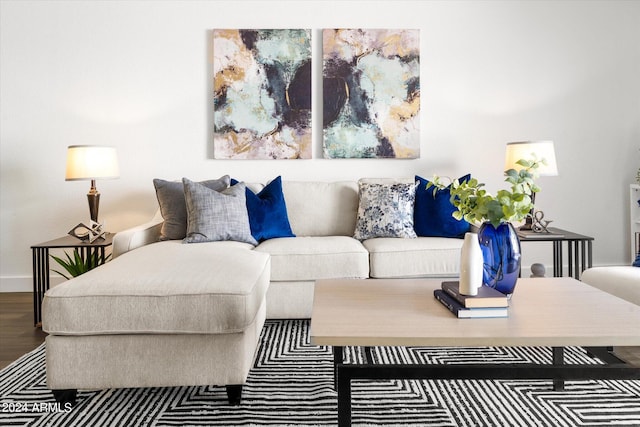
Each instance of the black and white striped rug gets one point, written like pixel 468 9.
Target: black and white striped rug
pixel 292 384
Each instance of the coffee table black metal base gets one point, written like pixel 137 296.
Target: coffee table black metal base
pixel 558 372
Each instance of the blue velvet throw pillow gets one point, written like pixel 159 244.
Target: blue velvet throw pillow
pixel 268 212
pixel 432 214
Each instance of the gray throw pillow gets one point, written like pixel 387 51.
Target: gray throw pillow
pixel 385 210
pixel 214 216
pixel 170 196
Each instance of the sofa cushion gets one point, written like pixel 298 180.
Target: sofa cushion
pixel 385 210
pixel 621 281
pixel 432 215
pixel 214 216
pixel 420 257
pixel 163 288
pixel 268 212
pixel 170 195
pixel 311 258
pixel 338 202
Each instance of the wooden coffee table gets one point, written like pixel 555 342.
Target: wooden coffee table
pixel 553 312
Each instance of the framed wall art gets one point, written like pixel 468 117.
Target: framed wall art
pixel 262 94
pixel 371 93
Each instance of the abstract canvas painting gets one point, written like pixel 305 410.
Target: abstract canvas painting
pixel 371 93
pixel 262 99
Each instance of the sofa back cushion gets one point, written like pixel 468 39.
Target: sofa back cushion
pixel 321 208
pixel 214 216
pixel 385 209
pixel 433 213
pixel 173 207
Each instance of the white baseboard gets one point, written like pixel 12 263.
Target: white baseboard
pixel 24 283
pixel 16 284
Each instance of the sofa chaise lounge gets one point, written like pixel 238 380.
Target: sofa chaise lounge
pixel 165 313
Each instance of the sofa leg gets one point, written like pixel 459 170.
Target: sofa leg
pixel 65 396
pixel 234 394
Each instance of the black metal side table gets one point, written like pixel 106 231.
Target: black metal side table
pixel 579 249
pixel 40 256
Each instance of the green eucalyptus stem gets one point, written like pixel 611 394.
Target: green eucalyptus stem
pixel 475 205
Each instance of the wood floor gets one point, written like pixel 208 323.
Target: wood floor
pixel 629 354
pixel 18 336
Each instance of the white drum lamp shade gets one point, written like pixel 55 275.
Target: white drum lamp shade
pixel 85 162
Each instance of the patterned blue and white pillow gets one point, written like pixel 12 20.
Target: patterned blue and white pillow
pixel 385 210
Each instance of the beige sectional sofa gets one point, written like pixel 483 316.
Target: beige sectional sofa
pixel 164 313
pixel 621 281
pixel 323 217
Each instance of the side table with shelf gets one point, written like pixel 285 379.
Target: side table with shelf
pixel 579 250
pixel 40 257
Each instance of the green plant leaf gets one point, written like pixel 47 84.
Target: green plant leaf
pixel 75 265
pixel 475 204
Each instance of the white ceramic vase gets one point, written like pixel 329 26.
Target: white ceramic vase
pixel 471 264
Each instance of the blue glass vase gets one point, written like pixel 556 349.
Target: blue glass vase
pixel 501 253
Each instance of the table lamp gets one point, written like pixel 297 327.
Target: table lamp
pixel 91 162
pixel 526 150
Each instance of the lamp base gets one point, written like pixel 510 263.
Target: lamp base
pixel 93 197
pixel 528 224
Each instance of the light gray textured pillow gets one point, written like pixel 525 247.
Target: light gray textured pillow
pixel 385 210
pixel 170 196
pixel 213 216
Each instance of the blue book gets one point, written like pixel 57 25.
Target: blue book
pixel 468 313
pixel 487 297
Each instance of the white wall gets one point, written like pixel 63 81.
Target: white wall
pixel 137 75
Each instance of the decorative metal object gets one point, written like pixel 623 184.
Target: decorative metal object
pixel 540 225
pixel 89 233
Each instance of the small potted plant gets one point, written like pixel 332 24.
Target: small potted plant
pixel 77 265
pixel 497 236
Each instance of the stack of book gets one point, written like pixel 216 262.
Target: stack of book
pixel 488 303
